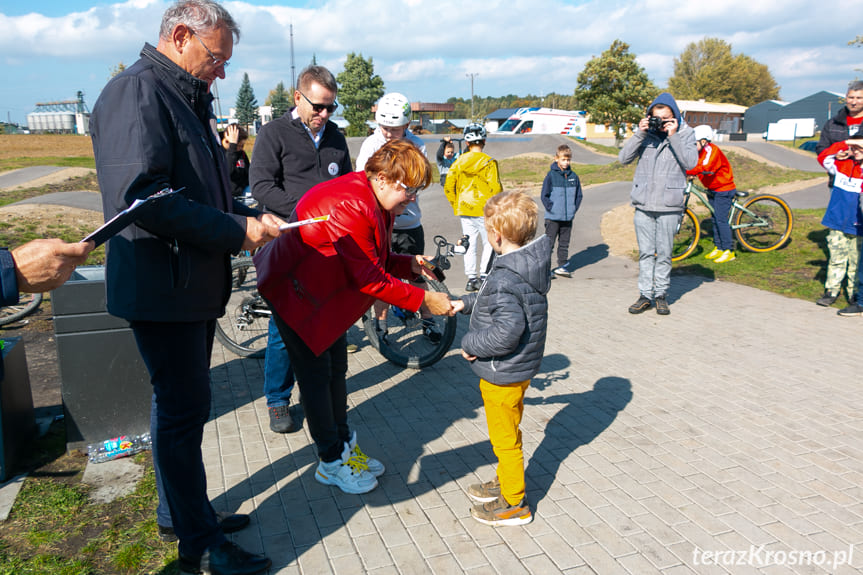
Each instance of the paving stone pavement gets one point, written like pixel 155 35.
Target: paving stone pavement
pixel 724 438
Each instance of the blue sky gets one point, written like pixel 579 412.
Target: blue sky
pixel 425 48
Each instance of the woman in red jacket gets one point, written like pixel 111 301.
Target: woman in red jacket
pixel 319 279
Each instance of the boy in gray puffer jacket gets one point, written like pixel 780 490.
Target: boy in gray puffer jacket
pixel 505 344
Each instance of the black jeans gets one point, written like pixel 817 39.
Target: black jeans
pixel 562 231
pixel 177 356
pixel 323 390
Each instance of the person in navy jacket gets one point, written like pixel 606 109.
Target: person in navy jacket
pixel 169 274
pixel 561 195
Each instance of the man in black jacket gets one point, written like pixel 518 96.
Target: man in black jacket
pixel 169 274
pixel 292 154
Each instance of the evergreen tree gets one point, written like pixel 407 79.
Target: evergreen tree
pixel 613 89
pixel 359 89
pixel 280 99
pixel 247 104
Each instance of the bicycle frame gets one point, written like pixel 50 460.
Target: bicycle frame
pixel 701 194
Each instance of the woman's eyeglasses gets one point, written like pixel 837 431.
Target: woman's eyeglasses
pixel 409 192
pixel 318 108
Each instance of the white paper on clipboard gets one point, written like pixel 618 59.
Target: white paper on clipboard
pixel 305 222
pixel 113 226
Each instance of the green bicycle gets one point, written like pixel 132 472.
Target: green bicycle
pixel 761 223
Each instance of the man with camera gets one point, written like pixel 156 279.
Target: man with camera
pixel 665 148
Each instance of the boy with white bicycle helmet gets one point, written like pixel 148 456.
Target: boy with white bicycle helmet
pixel 393 116
pixel 716 175
pixel 470 182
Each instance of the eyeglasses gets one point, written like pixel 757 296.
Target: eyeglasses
pixel 216 61
pixel 409 192
pixel 318 108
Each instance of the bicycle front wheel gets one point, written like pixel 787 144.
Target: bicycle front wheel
pixel 687 236
pixel 244 327
pixel 27 304
pixel 404 338
pixel 763 224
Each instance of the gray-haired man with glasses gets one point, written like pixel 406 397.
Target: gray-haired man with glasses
pixel 169 273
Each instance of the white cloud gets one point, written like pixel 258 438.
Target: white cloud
pixel 425 47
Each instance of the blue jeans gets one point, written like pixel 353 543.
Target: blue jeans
pixel 721 202
pixel 177 356
pixel 278 375
pixel 655 234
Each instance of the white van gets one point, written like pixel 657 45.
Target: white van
pixel 545 121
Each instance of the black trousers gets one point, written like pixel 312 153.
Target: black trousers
pixel 561 231
pixel 323 390
pixel 177 356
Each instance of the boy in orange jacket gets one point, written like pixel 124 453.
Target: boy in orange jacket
pixel 715 174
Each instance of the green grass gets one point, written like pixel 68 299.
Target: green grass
pixel 70 162
pixel 54 529
pixel 19 230
pixel 796 270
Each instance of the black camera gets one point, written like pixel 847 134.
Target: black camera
pixel 655 123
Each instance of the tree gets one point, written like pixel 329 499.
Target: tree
pixel 117 69
pixel 247 104
pixel 707 69
pixel 359 89
pixel 279 99
pixel 613 89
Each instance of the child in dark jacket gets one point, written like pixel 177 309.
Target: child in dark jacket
pixel 561 196
pixel 446 157
pixel 505 344
pixel 233 141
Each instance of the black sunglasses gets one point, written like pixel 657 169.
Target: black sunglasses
pixel 318 108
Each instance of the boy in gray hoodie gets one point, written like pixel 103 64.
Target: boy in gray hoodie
pixel 664 145
pixel 505 344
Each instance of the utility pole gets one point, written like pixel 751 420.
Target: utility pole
pixel 472 75
pixel 293 77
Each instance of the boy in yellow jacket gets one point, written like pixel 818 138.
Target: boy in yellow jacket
pixel 470 182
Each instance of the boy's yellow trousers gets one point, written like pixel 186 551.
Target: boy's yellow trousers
pixel 504 405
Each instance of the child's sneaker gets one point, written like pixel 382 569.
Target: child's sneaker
pixel 483 492
pixel 562 271
pixel 714 254
pixel 348 473
pixel 374 466
pixel 499 512
pixel 726 256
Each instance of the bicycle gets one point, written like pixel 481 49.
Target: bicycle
pixel 27 304
pixel 402 341
pixel 244 327
pixel 760 224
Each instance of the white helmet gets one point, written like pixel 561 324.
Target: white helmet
pixel 703 132
pixel 394 110
pixel 474 132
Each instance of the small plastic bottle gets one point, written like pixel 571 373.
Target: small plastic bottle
pixel 118 447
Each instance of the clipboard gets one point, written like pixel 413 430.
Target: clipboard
pixel 305 222
pixel 113 226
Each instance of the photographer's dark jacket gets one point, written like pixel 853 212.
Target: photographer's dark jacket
pixel 153 128
pixel 509 315
pixel 660 176
pixel 287 163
